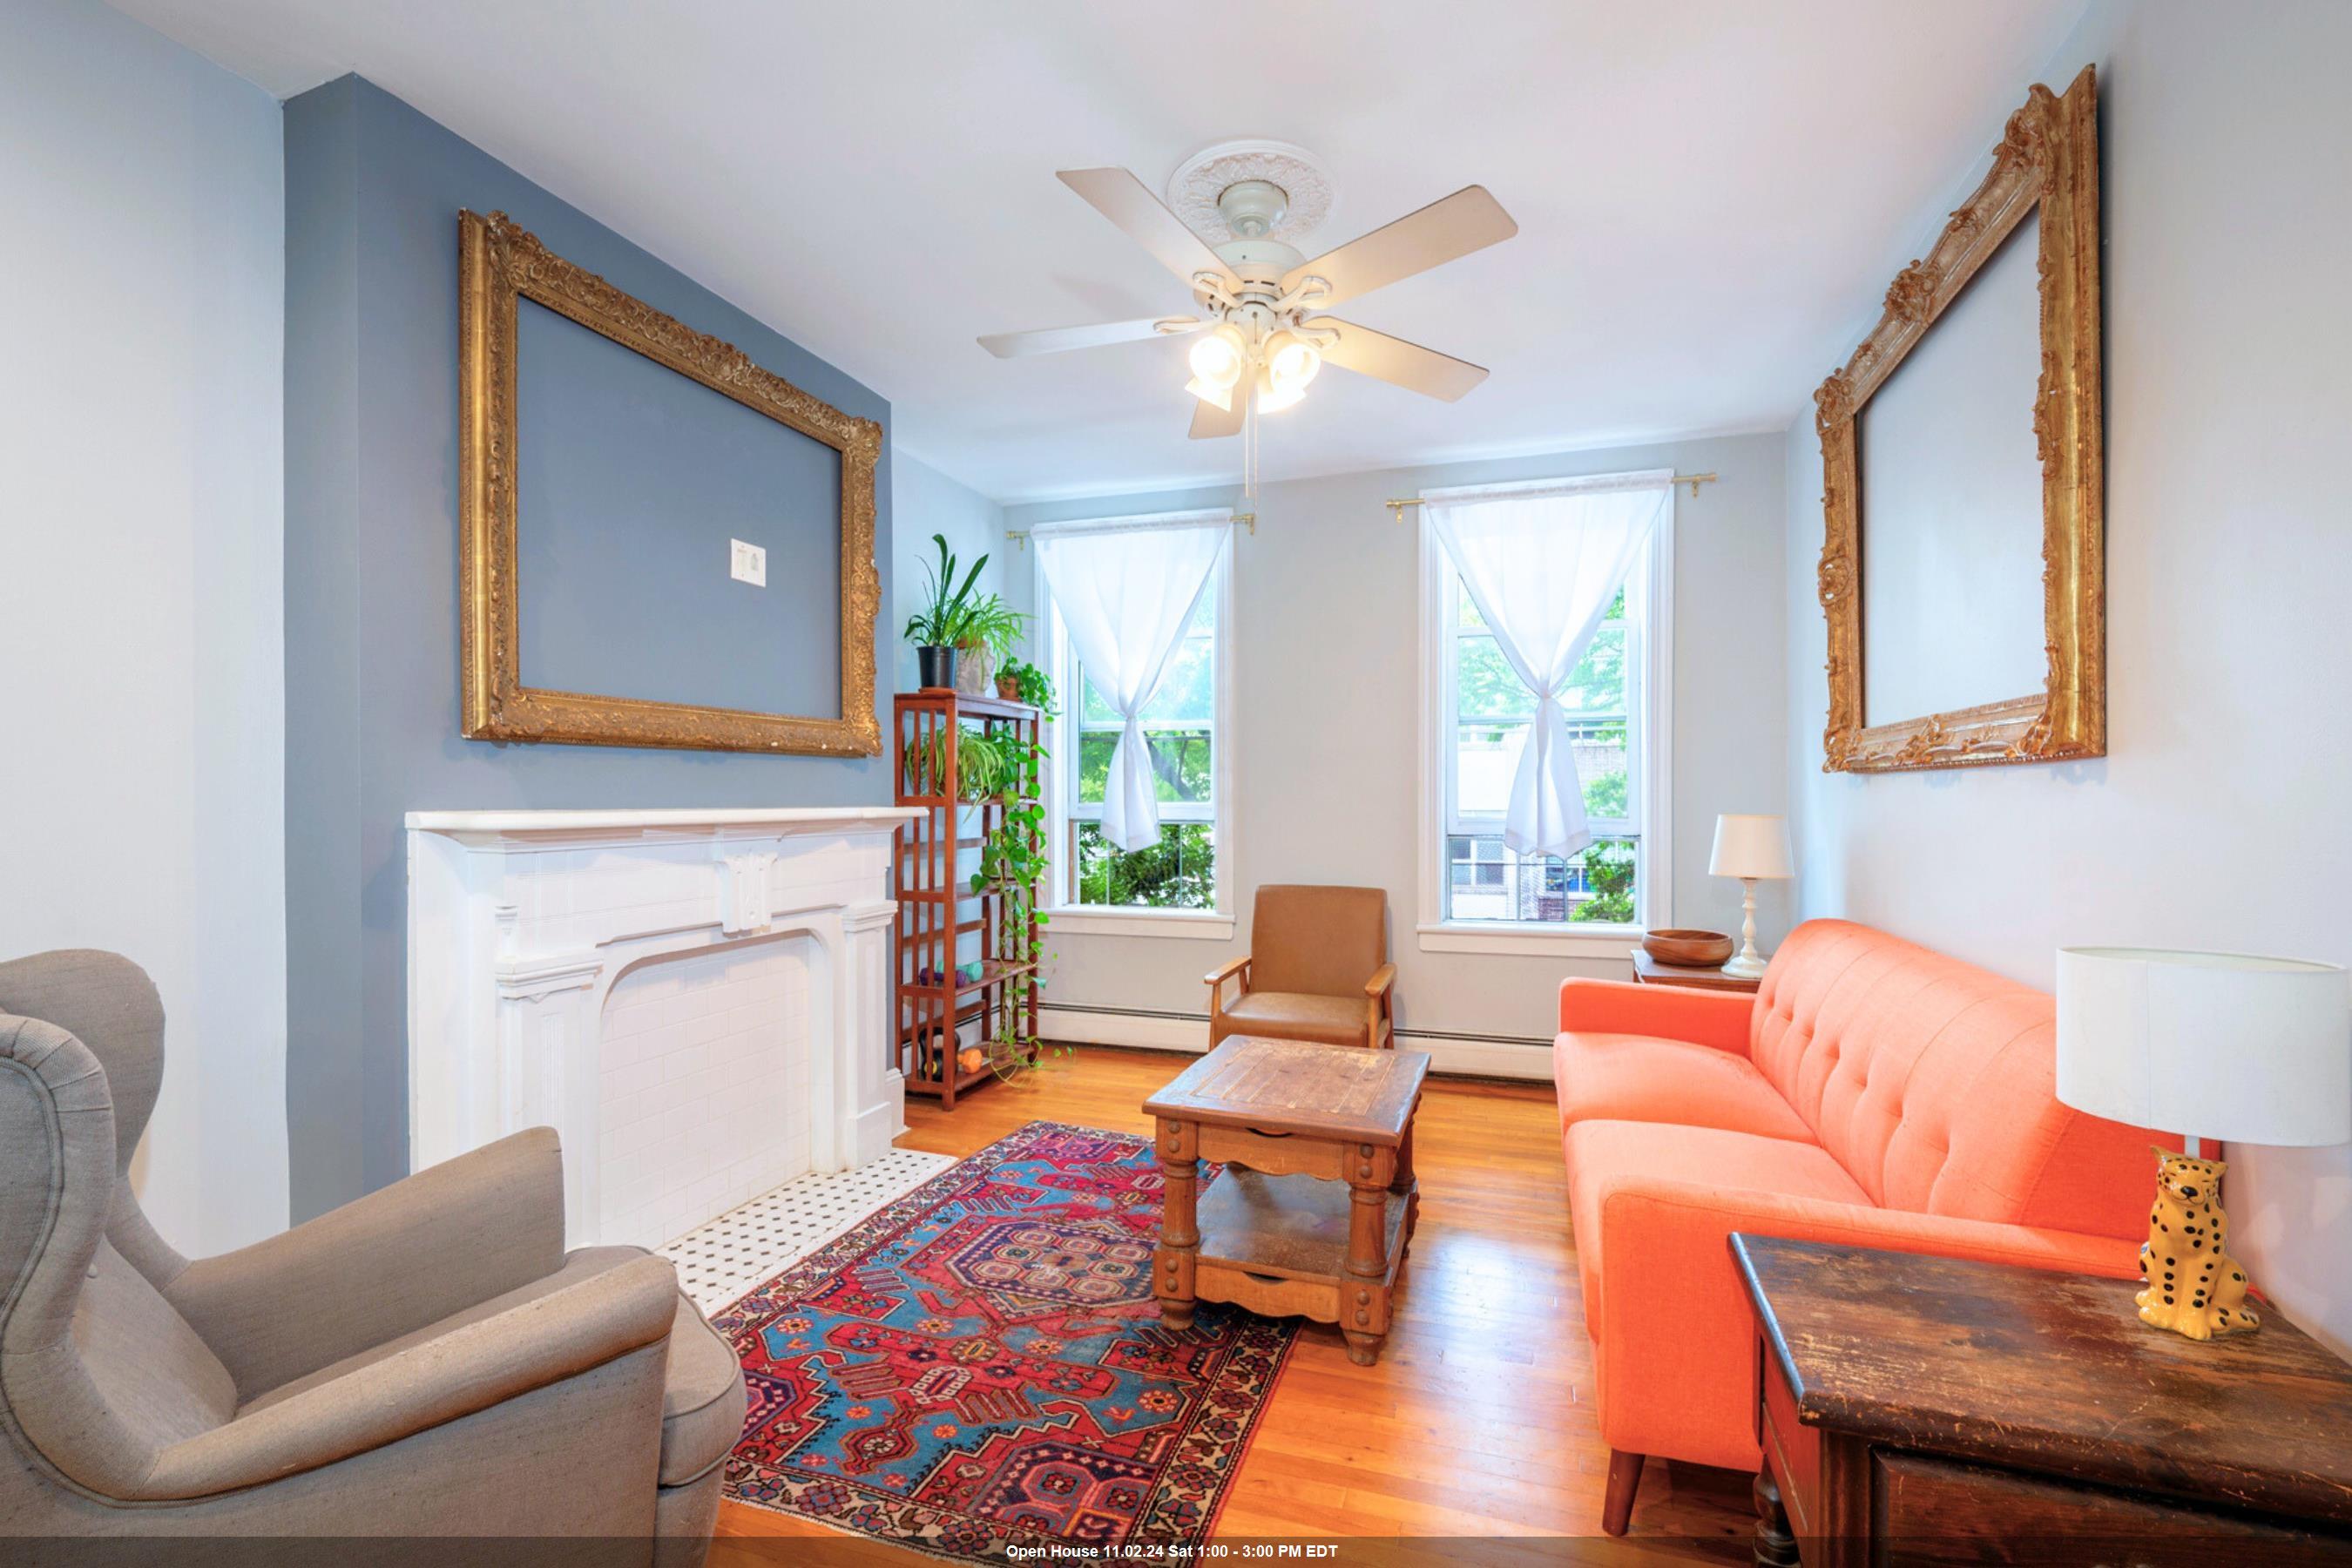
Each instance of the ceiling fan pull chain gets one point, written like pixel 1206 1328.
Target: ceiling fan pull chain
pixel 1249 449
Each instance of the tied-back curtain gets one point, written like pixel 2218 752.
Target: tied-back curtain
pixel 1542 563
pixel 1126 594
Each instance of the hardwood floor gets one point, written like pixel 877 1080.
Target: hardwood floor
pixel 1477 1420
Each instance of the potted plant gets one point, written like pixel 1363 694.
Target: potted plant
pixel 986 634
pixel 1022 682
pixel 940 625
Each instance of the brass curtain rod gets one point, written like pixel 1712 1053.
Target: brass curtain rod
pixel 1248 518
pixel 1397 504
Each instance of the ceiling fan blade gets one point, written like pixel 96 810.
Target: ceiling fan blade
pixel 1129 202
pixel 1409 365
pixel 1209 421
pixel 1466 221
pixel 1056 340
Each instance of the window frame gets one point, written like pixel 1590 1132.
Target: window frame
pixel 1649 604
pixel 1213 925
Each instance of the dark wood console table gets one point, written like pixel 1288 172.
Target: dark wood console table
pixel 1930 1410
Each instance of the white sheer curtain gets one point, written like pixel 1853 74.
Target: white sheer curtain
pixel 1543 562
pixel 1126 591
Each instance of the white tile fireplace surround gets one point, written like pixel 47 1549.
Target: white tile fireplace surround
pixel 696 1001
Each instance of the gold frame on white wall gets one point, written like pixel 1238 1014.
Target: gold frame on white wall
pixel 2049 157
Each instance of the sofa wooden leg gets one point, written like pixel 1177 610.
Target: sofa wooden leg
pixel 1775 1547
pixel 1624 1481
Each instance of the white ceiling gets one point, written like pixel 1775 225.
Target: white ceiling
pixel 1710 196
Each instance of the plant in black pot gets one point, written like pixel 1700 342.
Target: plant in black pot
pixel 940 625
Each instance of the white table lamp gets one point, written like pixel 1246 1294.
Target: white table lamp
pixel 1749 848
pixel 2212 1045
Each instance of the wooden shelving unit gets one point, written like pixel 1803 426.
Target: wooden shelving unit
pixel 942 922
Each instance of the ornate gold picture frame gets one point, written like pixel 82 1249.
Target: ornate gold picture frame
pixel 500 264
pixel 2050 157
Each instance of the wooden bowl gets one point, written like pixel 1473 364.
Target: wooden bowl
pixel 1693 949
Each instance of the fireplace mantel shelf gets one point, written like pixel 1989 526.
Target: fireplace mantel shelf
pixel 528 827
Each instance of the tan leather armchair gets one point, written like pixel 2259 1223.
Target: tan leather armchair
pixel 1318 970
pixel 427 1361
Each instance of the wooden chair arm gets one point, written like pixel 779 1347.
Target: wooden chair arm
pixel 1216 982
pixel 1377 1004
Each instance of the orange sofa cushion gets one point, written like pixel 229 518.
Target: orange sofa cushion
pixel 1638 1078
pixel 1702 1156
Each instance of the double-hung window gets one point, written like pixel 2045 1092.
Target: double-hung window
pixel 1478 892
pixel 1176 884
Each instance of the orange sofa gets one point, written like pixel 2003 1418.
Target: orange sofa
pixel 1873 1092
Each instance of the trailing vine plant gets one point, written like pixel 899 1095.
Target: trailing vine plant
pixel 1012 865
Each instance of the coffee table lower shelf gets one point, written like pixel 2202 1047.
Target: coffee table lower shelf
pixel 1277 1246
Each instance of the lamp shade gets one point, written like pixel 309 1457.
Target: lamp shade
pixel 1751 846
pixel 2215 1044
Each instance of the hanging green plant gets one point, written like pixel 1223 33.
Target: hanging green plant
pixel 983 765
pixel 1012 866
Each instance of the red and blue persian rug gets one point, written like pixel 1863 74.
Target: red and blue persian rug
pixel 980 1366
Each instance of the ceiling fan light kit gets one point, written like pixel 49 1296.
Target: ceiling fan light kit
pixel 1258 294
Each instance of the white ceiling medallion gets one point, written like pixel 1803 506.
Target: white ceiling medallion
pixel 1306 185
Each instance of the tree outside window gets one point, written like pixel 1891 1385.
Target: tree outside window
pixel 1180 724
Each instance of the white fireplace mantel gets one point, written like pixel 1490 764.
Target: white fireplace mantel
pixel 557 829
pixel 520 923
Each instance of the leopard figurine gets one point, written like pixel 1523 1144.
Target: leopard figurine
pixel 2194 1286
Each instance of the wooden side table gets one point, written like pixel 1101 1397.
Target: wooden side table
pixel 1648 971
pixel 1921 1409
pixel 1315 1212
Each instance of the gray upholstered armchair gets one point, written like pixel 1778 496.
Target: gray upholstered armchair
pixel 428 1360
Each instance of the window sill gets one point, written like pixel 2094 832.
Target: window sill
pixel 1093 920
pixel 1530 940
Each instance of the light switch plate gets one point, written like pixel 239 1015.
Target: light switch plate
pixel 750 564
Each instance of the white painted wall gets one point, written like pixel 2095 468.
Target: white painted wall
pixel 1325 634
pixel 925 501
pixel 140 547
pixel 2217 818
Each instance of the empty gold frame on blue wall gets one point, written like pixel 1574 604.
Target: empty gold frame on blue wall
pixel 2047 164
pixel 500 266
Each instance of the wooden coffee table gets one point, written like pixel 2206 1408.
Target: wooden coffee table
pixel 1315 1211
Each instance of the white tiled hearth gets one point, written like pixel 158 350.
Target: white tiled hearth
pixel 720 1259
pixel 696 1001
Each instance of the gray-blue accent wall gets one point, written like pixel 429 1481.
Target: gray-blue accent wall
pixel 372 193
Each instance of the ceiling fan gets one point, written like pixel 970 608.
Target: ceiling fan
pixel 1262 335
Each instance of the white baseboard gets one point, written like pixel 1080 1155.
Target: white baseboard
pixel 1177 1032
pixel 1138 1031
